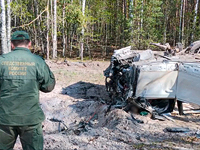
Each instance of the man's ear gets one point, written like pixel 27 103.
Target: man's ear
pixel 12 46
pixel 29 45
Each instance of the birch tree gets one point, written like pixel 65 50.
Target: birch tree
pixel 180 23
pixel 82 32
pixel 47 29
pixel 55 30
pixel 3 28
pixel 8 26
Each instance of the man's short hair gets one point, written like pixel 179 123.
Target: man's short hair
pixel 17 43
pixel 20 38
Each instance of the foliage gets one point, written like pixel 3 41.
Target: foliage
pixel 108 24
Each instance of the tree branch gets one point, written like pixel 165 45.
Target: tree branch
pixel 32 20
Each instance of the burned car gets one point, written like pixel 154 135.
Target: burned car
pixel 151 82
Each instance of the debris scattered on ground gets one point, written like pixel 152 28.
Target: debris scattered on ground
pixel 168 116
pixel 143 113
pixel 59 121
pixel 175 129
pixel 81 102
pixel 134 120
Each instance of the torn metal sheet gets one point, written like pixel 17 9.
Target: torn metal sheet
pixel 157 80
pixel 188 83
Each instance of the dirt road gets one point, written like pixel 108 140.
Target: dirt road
pixel 77 102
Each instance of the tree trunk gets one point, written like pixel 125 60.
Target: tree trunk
pixel 82 32
pixel 36 25
pixel 55 30
pixel 106 41
pixel 117 33
pixel 183 21
pixel 195 19
pixel 124 21
pixel 3 28
pixel 180 24
pixel 15 22
pixel 141 21
pixel 64 39
pixel 52 22
pixel 131 18
pixel 165 29
pixel 125 9
pixel 8 26
pixel 71 42
pixel 47 30
pixel 174 29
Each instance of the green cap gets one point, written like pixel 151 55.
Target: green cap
pixel 20 35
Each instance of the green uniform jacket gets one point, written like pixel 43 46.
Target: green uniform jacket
pixel 22 75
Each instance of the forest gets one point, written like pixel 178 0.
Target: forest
pixel 88 29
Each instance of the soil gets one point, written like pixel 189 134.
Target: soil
pixel 77 102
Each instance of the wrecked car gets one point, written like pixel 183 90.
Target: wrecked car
pixel 151 82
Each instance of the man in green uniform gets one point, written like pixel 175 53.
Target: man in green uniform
pixel 22 75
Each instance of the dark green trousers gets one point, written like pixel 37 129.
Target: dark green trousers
pixel 31 137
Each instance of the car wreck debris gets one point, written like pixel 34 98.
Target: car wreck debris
pixel 168 116
pixel 59 122
pixel 168 49
pixel 171 51
pixel 193 48
pixel 175 129
pixel 76 129
pixel 137 81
